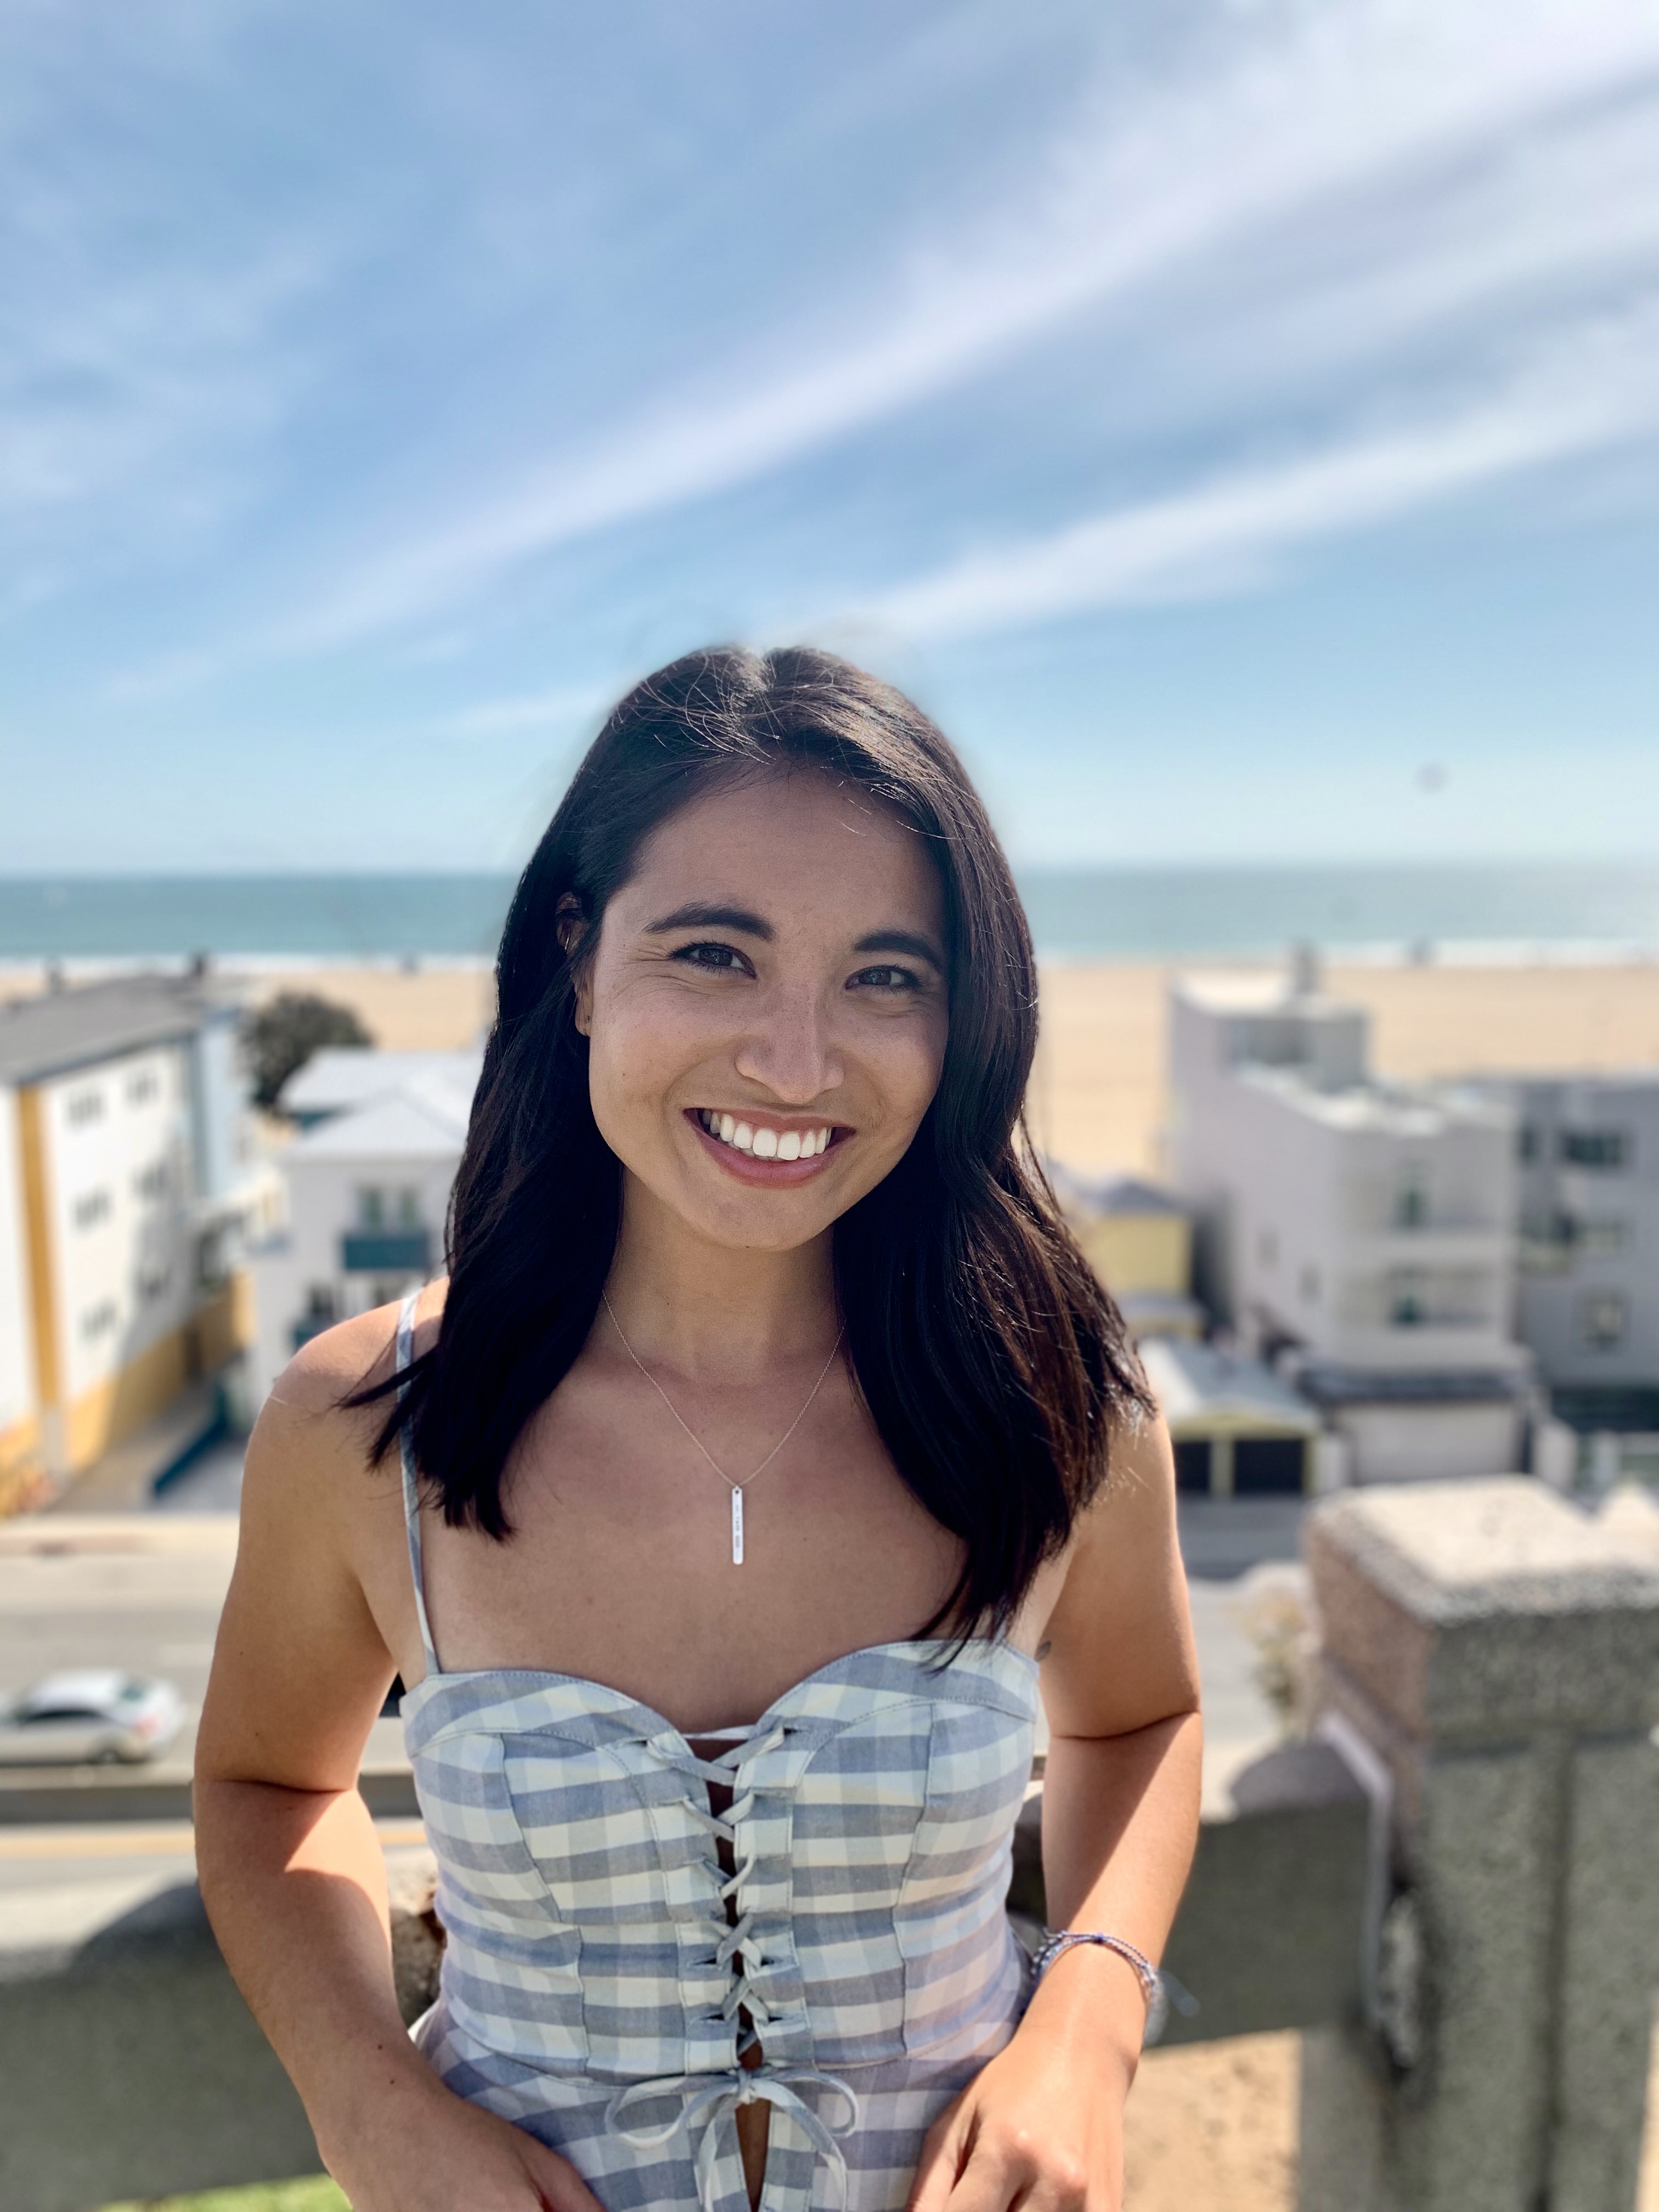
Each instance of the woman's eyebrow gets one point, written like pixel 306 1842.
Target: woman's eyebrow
pixel 702 914
pixel 902 940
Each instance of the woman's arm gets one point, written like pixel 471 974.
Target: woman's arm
pixel 1042 2123
pixel 290 1867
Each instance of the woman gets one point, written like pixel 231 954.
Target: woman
pixel 721 1786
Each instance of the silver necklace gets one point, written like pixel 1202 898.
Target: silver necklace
pixel 736 1488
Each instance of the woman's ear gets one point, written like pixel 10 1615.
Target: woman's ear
pixel 571 927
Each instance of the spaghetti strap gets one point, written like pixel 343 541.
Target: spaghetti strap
pixel 412 1487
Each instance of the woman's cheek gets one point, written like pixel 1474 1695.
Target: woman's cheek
pixel 916 1070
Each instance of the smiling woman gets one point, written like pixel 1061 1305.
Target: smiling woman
pixel 723 1805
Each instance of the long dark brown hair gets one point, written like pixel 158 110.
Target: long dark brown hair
pixel 993 1363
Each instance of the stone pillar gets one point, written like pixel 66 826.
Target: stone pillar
pixel 1499 1651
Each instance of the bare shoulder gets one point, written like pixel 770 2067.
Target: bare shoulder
pixel 309 1435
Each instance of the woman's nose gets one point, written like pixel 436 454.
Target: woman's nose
pixel 788 1048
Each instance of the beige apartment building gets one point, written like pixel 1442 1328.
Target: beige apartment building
pixel 127 1175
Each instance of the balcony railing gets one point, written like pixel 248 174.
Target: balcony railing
pixel 387 1251
pixel 1451 1887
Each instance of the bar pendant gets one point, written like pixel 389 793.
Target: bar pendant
pixel 736 1526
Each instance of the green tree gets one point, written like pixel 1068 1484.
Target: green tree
pixel 279 1038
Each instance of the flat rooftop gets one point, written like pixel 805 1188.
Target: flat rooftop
pixel 1393 1109
pixel 54 1032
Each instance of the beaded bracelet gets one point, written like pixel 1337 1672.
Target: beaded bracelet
pixel 1156 1988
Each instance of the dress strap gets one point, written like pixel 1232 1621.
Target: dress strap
pixel 412 1486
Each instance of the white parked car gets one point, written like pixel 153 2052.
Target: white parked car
pixel 93 1712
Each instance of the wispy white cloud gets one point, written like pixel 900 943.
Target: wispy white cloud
pixel 136 406
pixel 1572 399
pixel 1300 107
pixel 557 708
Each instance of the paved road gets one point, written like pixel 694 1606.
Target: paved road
pixel 133 1590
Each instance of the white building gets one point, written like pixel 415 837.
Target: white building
pixel 1358 1235
pixel 1588 1296
pixel 369 1182
pixel 128 1173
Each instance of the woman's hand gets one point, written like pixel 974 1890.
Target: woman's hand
pixel 1041 2126
pixel 427 2151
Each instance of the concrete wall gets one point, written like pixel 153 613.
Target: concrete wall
pixel 1497 1654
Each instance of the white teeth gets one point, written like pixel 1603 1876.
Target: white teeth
pixel 765 1144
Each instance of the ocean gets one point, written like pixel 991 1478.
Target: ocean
pixel 1486 911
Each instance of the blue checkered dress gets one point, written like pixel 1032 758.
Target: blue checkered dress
pixel 594 1989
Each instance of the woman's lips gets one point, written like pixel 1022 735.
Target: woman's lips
pixel 759 1164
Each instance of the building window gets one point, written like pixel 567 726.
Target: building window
pixel 1593 1148
pixel 1408 1305
pixel 1192 1459
pixel 1411 1198
pixel 371 1209
pixel 152 1284
pixel 409 1209
pixel 152 1182
pixel 1265 1465
pixel 1309 1284
pixel 98 1320
pixel 1602 1237
pixel 142 1088
pixel 1601 1321
pixel 1527 1145
pixel 90 1208
pixel 85 1106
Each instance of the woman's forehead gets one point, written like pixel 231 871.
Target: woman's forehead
pixel 789 840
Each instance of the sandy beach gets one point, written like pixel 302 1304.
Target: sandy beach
pixel 1097 1098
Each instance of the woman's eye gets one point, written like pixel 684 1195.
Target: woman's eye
pixel 888 979
pixel 720 957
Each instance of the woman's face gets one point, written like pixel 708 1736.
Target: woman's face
pixel 766 1007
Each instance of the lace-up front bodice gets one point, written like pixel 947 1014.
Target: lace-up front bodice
pixel 604 1975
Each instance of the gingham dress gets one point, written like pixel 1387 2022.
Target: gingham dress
pixel 593 1984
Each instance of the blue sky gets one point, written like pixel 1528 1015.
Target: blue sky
pixel 1238 423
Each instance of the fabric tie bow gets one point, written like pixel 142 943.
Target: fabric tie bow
pixel 709 2115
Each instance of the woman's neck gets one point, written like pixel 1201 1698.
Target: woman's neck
pixel 715 1313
